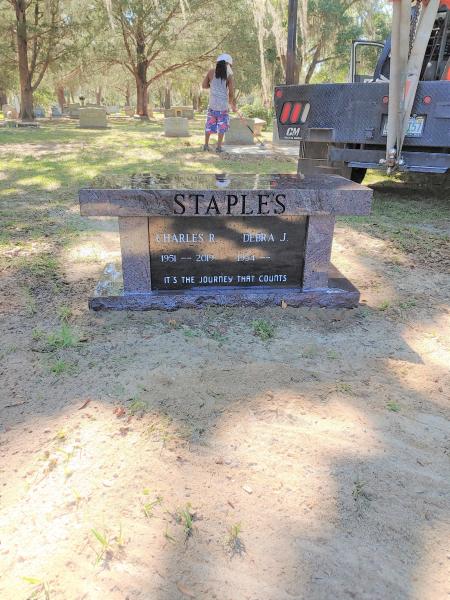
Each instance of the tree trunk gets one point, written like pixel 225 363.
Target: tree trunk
pixel 141 71
pixel 98 96
pixel 60 96
pixel 3 98
pixel 128 95
pixel 167 98
pixel 26 90
pixel 141 98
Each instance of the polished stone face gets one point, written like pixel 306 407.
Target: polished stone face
pixel 233 252
pixel 219 181
pixel 209 195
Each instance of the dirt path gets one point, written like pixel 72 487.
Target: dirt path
pixel 169 456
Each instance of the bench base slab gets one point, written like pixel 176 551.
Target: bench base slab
pixel 109 295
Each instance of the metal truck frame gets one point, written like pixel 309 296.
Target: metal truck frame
pixel 400 121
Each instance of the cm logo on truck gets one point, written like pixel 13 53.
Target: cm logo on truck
pixel 293 132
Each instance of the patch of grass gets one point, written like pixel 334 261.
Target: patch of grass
pixel 41 588
pixel 344 388
pixel 40 265
pixel 106 550
pixel 64 337
pixel 138 407
pixel 393 406
pixel 30 302
pixel 61 366
pixel 263 329
pixel 384 305
pixel 407 304
pixel 65 313
pixel 160 430
pixel 191 333
pixel 215 335
pixel 361 496
pixel 234 542
pixel 358 489
pixel 149 505
pixel 185 517
pixel 37 334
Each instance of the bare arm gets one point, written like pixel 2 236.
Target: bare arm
pixel 231 94
pixel 207 80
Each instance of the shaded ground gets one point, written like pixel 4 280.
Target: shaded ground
pixel 166 456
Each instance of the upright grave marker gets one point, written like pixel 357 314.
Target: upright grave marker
pixel 195 240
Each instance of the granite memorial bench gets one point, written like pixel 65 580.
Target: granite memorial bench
pixel 197 240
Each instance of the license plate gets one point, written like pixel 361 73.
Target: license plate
pixel 415 126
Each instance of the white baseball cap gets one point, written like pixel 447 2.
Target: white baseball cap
pixel 226 57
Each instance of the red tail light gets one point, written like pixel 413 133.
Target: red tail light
pixel 296 111
pixel 427 100
pixel 285 112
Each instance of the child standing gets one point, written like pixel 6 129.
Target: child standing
pixel 220 83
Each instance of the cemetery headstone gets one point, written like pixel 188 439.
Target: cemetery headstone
pixel 242 131
pixel 9 111
pixel 74 111
pixel 186 112
pixel 39 112
pixel 198 240
pixel 56 112
pixel 93 118
pixel 176 127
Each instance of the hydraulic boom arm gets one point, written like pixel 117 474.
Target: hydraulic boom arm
pixel 405 68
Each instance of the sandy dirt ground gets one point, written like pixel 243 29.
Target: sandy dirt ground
pixel 169 456
pixel 212 464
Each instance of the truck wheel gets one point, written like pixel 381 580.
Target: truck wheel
pixel 357 174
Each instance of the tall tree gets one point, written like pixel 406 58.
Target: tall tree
pixel 153 34
pixel 44 31
pixel 8 72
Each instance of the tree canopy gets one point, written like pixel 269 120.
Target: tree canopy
pixel 143 52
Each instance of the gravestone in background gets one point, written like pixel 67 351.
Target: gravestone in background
pixel 9 111
pixel 39 112
pixel 190 241
pixel 176 127
pixel 242 131
pixel 74 111
pixel 56 112
pixel 93 118
pixel 186 112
